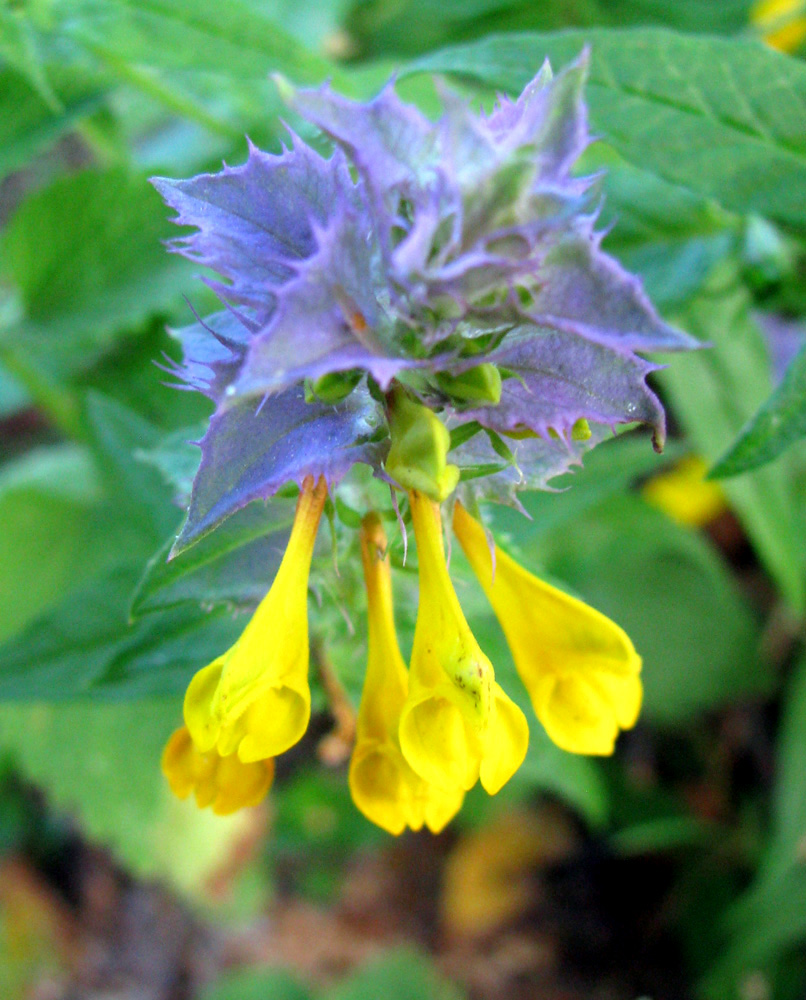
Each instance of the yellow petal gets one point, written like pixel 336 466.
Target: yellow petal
pixel 450 726
pixel 382 784
pixel 255 700
pixel 225 783
pixel 580 668
pixel 684 494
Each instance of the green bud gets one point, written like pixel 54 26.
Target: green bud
pixel 581 430
pixel 331 388
pixel 417 458
pixel 481 384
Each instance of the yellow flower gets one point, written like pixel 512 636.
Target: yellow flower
pixel 383 786
pixel 580 668
pixel 255 700
pixel 457 724
pixel 782 23
pixel 224 783
pixel 684 494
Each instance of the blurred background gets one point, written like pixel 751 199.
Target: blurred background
pixel 676 869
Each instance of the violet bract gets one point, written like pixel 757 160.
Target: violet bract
pixel 431 300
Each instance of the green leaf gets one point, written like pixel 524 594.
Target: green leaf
pixel 663 232
pixel 406 975
pixel 45 501
pixel 86 257
pixel 235 564
pixel 670 592
pixel 18 47
pixel 30 124
pixel 86 647
pixel 234 38
pixel 713 394
pixel 721 117
pixel 102 763
pixel 609 469
pixel 141 498
pixel 257 984
pixel 778 424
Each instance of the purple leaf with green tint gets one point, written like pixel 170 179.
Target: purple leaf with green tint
pixel 561 378
pixel 250 451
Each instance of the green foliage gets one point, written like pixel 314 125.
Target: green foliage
pixel 404 974
pixel 100 763
pixel 714 393
pixel 779 423
pixel 85 279
pixel 720 117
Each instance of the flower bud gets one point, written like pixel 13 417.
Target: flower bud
pixel 479 385
pixel 331 388
pixel 417 458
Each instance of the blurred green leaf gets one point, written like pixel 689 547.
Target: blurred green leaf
pixel 234 38
pixel 257 984
pixel 413 26
pixel 666 586
pixel 721 117
pixel 663 232
pixel 87 641
pixel 87 258
pixel 139 495
pixel 18 47
pixel 778 424
pixel 608 470
pixel 102 763
pixel 406 975
pixel 713 394
pixel 45 501
pixel 30 124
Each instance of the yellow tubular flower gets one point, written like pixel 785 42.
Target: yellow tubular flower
pixel 224 783
pixel 684 494
pixel 255 700
pixel 580 668
pixel 457 724
pixel 782 23
pixel 383 786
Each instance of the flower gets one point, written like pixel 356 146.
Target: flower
pixel 431 300
pixel 225 784
pixel 255 700
pixel 457 724
pixel 684 494
pixel 580 668
pixel 453 262
pixel 782 23
pixel 382 784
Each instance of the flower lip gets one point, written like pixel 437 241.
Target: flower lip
pixel 580 669
pixel 383 785
pixel 255 700
pixel 458 725
pixel 223 783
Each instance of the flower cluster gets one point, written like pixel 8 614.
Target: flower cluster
pixel 433 301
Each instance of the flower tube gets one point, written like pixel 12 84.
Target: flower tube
pixel 580 668
pixel 255 700
pixel 382 784
pixel 457 725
